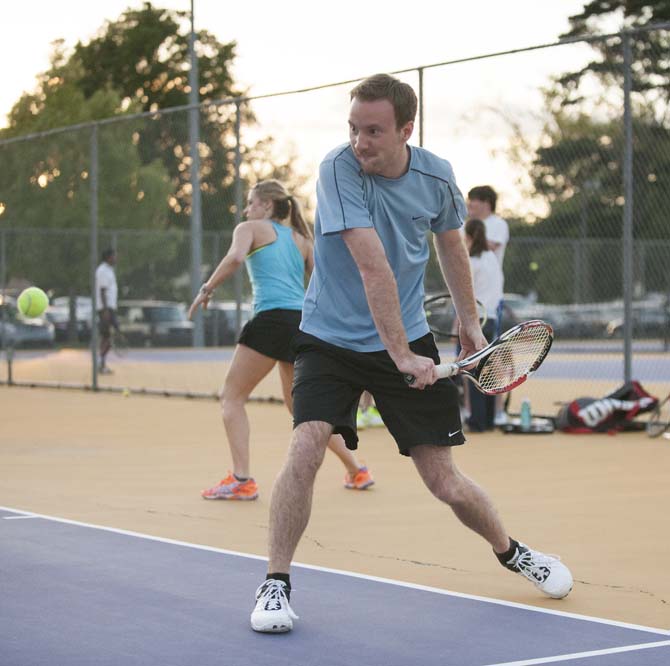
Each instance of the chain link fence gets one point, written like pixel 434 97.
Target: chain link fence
pixel 579 165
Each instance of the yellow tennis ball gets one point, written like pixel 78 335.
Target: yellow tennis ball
pixel 32 302
pixel 125 393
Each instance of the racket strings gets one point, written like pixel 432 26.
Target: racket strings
pixel 514 358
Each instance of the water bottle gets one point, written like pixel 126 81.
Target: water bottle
pixel 526 417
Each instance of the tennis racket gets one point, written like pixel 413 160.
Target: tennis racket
pixel 119 343
pixel 442 318
pixel 659 421
pixel 506 362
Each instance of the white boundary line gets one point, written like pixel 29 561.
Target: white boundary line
pixel 583 655
pixel 352 574
pixel 26 517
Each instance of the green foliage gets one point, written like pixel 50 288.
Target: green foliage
pixel 140 62
pixel 577 168
pixel 650 49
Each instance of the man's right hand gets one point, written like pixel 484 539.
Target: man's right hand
pixel 421 368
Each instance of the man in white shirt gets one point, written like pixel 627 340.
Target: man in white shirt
pixel 482 206
pixel 106 292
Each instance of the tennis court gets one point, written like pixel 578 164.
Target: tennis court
pixel 114 597
pixel 137 464
pixel 108 553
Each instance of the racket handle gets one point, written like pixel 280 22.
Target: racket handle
pixel 443 370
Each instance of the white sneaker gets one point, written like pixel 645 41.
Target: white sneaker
pixel 500 419
pixel 546 572
pixel 272 613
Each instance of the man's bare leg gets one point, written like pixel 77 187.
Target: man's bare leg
pixel 291 502
pixel 471 504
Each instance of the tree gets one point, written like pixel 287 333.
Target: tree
pixel 45 183
pixel 650 49
pixel 146 58
pixel 137 63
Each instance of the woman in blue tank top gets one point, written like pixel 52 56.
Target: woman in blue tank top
pixel 275 243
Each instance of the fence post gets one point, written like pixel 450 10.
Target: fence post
pixel 196 200
pixel 94 254
pixel 420 70
pixel 627 208
pixel 237 278
pixel 5 343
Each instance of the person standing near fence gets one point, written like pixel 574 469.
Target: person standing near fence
pixel 487 283
pixel 276 244
pixel 364 328
pixel 106 294
pixel 482 201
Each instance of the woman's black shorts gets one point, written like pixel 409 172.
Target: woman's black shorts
pixel 329 380
pixel 270 333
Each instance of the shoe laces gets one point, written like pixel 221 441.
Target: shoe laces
pixel 534 565
pixel 271 596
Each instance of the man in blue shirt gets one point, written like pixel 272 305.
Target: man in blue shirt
pixel 363 328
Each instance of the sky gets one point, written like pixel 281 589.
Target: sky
pixel 302 43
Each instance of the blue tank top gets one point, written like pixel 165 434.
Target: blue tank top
pixel 277 273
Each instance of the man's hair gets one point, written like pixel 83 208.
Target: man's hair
pixel 384 86
pixel 108 253
pixel 484 193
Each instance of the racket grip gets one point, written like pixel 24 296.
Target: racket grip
pixel 445 370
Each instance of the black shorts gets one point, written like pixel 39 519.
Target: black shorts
pixel 270 333
pixel 106 325
pixel 329 380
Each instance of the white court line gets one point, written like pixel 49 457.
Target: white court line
pixel 351 574
pixel 27 516
pixel 583 655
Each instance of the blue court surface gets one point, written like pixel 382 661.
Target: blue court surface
pixel 73 594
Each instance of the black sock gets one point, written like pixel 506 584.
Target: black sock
pixel 285 578
pixel 241 479
pixel 505 557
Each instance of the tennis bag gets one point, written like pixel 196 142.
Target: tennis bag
pixel 613 413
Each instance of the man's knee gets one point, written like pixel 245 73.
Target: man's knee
pixel 308 445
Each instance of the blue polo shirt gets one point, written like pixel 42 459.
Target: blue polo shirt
pixel 402 211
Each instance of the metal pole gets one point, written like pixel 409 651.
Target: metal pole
pixel 239 205
pixel 627 209
pixel 421 107
pixel 5 341
pixel 196 209
pixel 94 255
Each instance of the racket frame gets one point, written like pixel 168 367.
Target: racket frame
pixel 445 370
pixel 655 427
pixel 481 311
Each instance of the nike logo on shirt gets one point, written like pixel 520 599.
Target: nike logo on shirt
pixel 451 434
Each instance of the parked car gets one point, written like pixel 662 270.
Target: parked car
pixel 155 323
pixel 220 321
pixel 19 331
pixel 58 313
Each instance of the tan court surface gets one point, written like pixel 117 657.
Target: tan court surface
pixel 138 463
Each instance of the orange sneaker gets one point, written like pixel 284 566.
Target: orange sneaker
pixel 360 481
pixel 232 489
